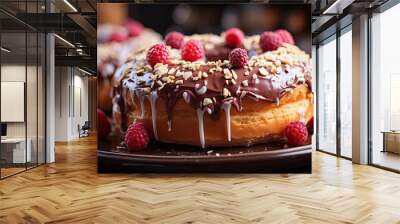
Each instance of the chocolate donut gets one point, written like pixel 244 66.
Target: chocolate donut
pixel 212 103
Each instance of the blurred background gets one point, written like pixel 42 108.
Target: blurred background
pixel 198 19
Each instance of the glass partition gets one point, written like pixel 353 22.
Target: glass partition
pixel 326 100
pixel 22 77
pixel 385 89
pixel 31 97
pixel 346 93
pixel 14 146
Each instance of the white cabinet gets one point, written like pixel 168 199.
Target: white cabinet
pixel 17 147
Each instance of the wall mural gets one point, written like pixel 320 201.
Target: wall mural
pixel 204 88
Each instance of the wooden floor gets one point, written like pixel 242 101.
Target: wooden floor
pixel 70 191
pixel 387 159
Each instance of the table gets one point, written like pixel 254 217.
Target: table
pixel 391 141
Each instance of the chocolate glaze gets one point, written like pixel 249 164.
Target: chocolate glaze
pixel 258 87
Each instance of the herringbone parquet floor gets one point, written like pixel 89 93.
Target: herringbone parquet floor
pixel 70 191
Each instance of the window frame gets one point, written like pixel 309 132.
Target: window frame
pixel 333 37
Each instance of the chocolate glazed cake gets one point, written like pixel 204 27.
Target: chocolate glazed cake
pixel 216 102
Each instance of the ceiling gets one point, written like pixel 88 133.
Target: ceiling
pixel 75 21
pixel 72 20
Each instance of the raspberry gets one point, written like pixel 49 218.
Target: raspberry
pixel 158 53
pixel 174 39
pixel 104 127
pixel 296 133
pixel 238 57
pixel 136 137
pixel 118 37
pixel 234 37
pixel 134 28
pixel 192 50
pixel 270 41
pixel 285 36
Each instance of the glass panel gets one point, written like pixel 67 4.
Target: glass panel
pixel 327 96
pixel 41 98
pixel 346 94
pixel 31 98
pixel 32 88
pixel 385 84
pixel 13 85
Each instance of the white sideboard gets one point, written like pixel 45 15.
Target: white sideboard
pixel 18 149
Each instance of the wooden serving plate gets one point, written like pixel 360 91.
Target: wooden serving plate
pixel 170 158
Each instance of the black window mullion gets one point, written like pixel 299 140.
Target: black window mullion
pixel 37 90
pixel 338 95
pixel 369 79
pixel 316 116
pixel 26 87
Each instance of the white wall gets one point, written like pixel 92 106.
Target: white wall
pixel 33 127
pixel 71 94
pixel 17 73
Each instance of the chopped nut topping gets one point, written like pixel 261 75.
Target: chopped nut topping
pixel 160 69
pixel 234 75
pixel 246 73
pixel 207 101
pixel 263 71
pixel 187 75
pixel 245 83
pixel 171 71
pixel 227 74
pixel 180 82
pixel 158 65
pixel 165 79
pixel 226 93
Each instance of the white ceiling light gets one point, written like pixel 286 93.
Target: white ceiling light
pixel 5 50
pixel 337 7
pixel 84 71
pixel 70 5
pixel 65 41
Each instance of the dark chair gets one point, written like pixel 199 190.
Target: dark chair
pixel 84 130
